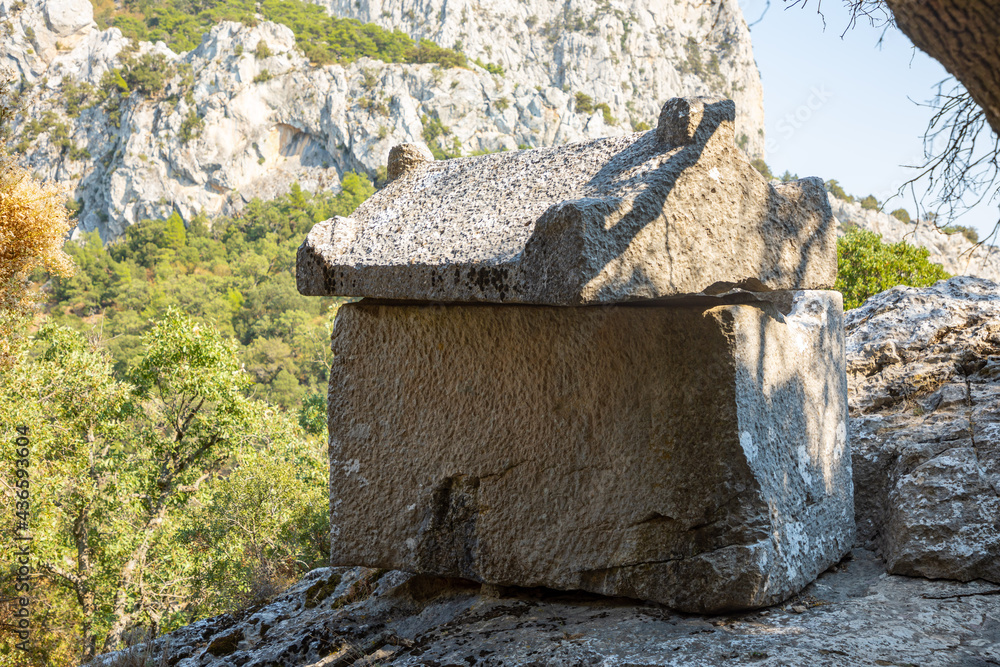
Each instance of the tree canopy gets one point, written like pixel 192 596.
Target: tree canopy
pixel 162 494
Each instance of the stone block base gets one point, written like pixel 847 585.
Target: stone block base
pixel 688 453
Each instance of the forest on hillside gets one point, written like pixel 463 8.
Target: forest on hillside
pixel 172 400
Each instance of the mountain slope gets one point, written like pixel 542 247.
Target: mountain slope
pixel 138 131
pixel 954 252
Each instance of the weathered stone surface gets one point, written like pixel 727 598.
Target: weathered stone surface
pixel 665 212
pixel 924 375
pixel 853 615
pixel 694 455
pixel 404 157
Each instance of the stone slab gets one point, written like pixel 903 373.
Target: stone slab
pixel 692 454
pixel 670 211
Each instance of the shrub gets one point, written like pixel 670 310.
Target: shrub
pixel 191 126
pixel 502 104
pixel 762 167
pixel 78 96
pixel 263 76
pixel 867 266
pixel 492 68
pixel 263 50
pixel 833 187
pixel 693 63
pixel 433 133
pixel 606 112
pixel 901 214
pixel 584 103
pixel 968 232
pixel 870 203
pixel 427 51
pixel 147 74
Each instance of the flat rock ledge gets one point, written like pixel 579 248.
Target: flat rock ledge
pixel 675 210
pixel 693 454
pixel 854 614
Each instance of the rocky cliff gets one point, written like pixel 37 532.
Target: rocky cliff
pixel 630 54
pixel 924 378
pixel 233 121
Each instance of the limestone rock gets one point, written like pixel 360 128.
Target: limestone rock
pixel 630 55
pixel 692 454
pixel 266 123
pixel 670 211
pixel 853 614
pixel 924 376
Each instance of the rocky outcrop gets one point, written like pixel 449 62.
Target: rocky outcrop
pixel 954 252
pixel 924 376
pixel 230 126
pixel 631 55
pixel 853 615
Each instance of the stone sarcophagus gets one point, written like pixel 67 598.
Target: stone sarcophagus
pixel 608 367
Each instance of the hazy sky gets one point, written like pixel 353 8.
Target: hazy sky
pixel 845 108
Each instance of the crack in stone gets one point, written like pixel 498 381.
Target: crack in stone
pixel 972 437
pixel 992 591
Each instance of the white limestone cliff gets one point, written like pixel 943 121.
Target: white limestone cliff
pixel 632 55
pixel 261 124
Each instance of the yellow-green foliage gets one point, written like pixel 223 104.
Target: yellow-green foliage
pixel 901 214
pixel 164 493
pixel 867 266
pixel 968 232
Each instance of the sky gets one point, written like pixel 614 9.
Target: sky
pixel 845 108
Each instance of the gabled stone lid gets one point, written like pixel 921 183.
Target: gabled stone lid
pixel 676 210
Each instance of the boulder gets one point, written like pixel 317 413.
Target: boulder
pixel 675 210
pixel 68 17
pixel 690 452
pixel 924 378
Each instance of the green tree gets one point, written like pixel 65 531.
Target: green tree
pixel 584 103
pixel 968 232
pixel 902 215
pixel 121 464
pixel 833 187
pixel 870 203
pixel 762 167
pixel 867 266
